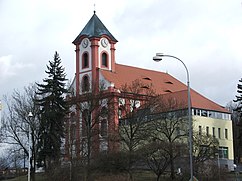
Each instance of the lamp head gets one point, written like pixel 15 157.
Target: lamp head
pixel 30 115
pixel 158 57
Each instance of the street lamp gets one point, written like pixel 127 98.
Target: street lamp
pixel 158 58
pixel 30 115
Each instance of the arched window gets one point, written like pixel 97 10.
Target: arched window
pixel 104 112
pixel 73 117
pixel 86 121
pixel 85 61
pixel 104 128
pixel 85 84
pixel 72 128
pixel 103 122
pixel 120 112
pixel 104 60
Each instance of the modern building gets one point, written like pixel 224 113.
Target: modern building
pixel 96 67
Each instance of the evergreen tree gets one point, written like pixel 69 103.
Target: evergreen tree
pixel 239 97
pixel 237 123
pixel 53 111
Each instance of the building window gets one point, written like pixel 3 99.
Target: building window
pixel 212 114
pixel 120 113
pixel 226 133
pixel 85 84
pixel 72 128
pixel 200 130
pixel 223 152
pixel 219 115
pixel 86 121
pixel 73 117
pixel 103 128
pixel 104 60
pixel 85 60
pixel 204 113
pixel 196 112
pixel 207 130
pixel 72 133
pixel 213 131
pixel 219 133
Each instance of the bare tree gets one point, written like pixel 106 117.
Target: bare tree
pixel 135 105
pixel 4 162
pixel 156 157
pixel 151 121
pixel 96 112
pixel 17 123
pixel 204 147
pixel 91 112
pixel 169 125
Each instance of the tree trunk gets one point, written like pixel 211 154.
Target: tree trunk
pixel 172 163
pixel 130 175
pixel 89 145
pixel 158 177
pixel 130 164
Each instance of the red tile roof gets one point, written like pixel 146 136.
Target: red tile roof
pixel 162 83
pixel 197 101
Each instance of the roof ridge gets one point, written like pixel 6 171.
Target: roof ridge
pixel 142 68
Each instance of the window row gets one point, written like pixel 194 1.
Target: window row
pixel 85 60
pixel 211 114
pixel 219 132
pixel 85 84
pixel 222 152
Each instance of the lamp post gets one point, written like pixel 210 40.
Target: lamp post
pixel 158 58
pixel 217 154
pixel 30 115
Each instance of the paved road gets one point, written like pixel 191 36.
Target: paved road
pixel 237 174
pixel 239 168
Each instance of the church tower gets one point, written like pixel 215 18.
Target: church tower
pixel 95 50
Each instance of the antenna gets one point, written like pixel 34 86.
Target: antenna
pixel 94 6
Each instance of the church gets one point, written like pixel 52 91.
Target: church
pixel 96 69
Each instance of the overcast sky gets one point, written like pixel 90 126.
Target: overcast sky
pixel 205 34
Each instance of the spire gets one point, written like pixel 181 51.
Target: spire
pixel 94 28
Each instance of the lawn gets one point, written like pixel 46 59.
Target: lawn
pixel 138 176
pixel 38 177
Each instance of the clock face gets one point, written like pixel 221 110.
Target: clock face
pixel 85 43
pixel 104 42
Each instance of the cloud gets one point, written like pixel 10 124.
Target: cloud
pixel 11 70
pixel 205 34
pixel 5 66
